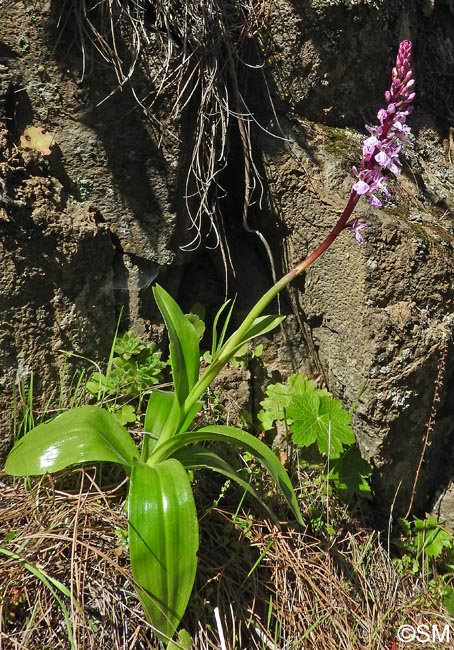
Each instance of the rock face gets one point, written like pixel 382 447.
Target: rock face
pixel 81 230
pixel 380 315
pixel 91 226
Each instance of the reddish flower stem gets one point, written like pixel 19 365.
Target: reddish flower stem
pixel 230 346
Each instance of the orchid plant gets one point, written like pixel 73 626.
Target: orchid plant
pixel 163 527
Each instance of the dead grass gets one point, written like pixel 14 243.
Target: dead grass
pixel 275 588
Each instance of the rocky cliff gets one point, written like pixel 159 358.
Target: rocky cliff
pixel 169 136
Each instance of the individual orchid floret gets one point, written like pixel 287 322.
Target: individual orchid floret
pixel 381 149
pixel 368 181
pixel 355 226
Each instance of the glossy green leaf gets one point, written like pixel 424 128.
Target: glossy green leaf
pixel 163 541
pixel 184 344
pixel 195 457
pixel 262 325
pixel 81 435
pixel 236 437
pixel 162 414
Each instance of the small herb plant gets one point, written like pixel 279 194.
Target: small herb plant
pixel 427 549
pixel 135 368
pixel 163 527
pixel 313 418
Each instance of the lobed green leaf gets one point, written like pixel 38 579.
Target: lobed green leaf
pixel 350 475
pixel 319 418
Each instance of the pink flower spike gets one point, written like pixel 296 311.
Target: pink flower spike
pixel 381 149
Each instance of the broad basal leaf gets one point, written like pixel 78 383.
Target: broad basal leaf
pixel 318 418
pixel 239 438
pixel 195 457
pixel 163 541
pixel 162 419
pixel 83 434
pixel 184 344
pixel 162 414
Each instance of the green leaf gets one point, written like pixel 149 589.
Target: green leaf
pixel 448 600
pixel 278 399
pixel 261 325
pixel 197 323
pixel 350 475
pixel 280 396
pixel 162 418
pixel 184 641
pixel 236 437
pixel 81 435
pixel 184 344
pixel 99 384
pixel 163 541
pixel 194 457
pixel 162 414
pixel 128 345
pixel 318 418
pixel 125 414
pixel 432 537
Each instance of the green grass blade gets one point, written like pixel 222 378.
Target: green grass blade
pixel 84 434
pixel 163 541
pixel 50 583
pixel 217 344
